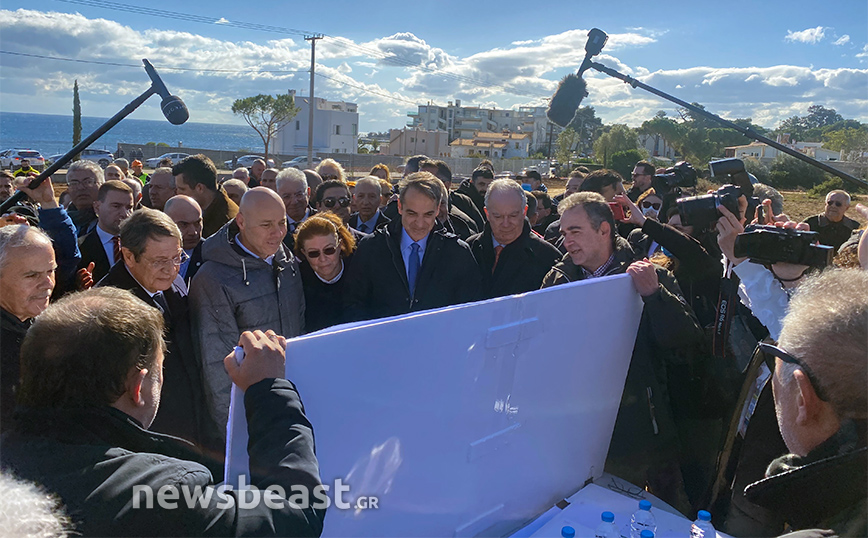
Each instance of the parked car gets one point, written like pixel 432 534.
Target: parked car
pixel 245 160
pixel 11 159
pixel 176 158
pixel 102 157
pixel 301 162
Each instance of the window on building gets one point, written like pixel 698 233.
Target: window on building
pixel 516 145
pixel 412 139
pixel 337 129
pixel 355 129
pixel 297 125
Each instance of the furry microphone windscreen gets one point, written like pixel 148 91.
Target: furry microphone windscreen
pixel 567 99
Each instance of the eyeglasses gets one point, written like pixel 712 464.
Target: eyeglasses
pixel 769 353
pixel 835 203
pixel 330 202
pixel 655 205
pixel 327 251
pixel 83 183
pixel 170 264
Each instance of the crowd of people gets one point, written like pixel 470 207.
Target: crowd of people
pixel 122 303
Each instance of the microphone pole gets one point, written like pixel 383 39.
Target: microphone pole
pixel 746 132
pixel 103 129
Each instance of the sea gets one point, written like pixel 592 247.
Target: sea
pixel 52 134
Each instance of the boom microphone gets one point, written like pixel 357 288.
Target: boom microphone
pixel 567 99
pixel 173 107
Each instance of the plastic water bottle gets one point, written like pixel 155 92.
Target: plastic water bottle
pixel 642 520
pixel 646 534
pixel 607 528
pixel 568 532
pixel 702 527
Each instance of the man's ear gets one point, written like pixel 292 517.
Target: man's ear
pixel 401 208
pixel 809 404
pixel 239 220
pixel 134 386
pixel 96 204
pixel 605 229
pixel 128 256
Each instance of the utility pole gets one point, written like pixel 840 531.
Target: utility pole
pixel 313 39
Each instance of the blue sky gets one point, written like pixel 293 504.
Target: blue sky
pixel 765 60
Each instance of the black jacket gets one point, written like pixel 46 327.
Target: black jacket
pixel 323 302
pixel 644 447
pixel 382 220
pixel 182 412
pixel 827 489
pixel 475 209
pixel 194 265
pixel 12 332
pixel 459 224
pixel 522 265
pixel 831 233
pixel 92 250
pixel 378 278
pixel 93 458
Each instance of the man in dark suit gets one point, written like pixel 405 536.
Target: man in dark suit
pixel 408 265
pixel 468 221
pixel 100 249
pixel 368 218
pixel 187 215
pixel 151 255
pixel 512 258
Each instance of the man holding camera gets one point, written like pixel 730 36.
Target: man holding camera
pixel 833 225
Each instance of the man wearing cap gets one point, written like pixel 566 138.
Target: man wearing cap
pixel 138 173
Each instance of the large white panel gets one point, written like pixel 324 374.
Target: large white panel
pixel 465 419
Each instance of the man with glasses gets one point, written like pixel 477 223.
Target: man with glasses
pixel 334 196
pixel 152 254
pixel 641 176
pixel 833 226
pixel 83 179
pixel 819 374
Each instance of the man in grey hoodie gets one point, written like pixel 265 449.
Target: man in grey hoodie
pixel 247 281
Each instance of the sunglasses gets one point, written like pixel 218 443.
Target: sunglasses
pixel 769 352
pixel 327 251
pixel 655 205
pixel 835 203
pixel 330 202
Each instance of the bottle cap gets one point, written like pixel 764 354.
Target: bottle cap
pixel 704 515
pixel 608 517
pixel 568 532
pixel 647 534
pixel 644 504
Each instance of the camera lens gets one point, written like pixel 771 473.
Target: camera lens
pixel 698 210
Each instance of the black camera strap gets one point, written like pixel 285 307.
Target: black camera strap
pixel 726 305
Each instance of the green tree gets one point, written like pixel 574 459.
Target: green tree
pixel 852 142
pixel 820 116
pixel 266 114
pixel 375 145
pixel 616 138
pixel 624 161
pixel 566 145
pixel 76 118
pixel 791 173
pixel 588 127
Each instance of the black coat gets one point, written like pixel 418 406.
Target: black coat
pixel 457 225
pixel 12 332
pixel 471 202
pixel 92 250
pixel 378 278
pixel 323 302
pixel 382 220
pixel 183 412
pixel 522 265
pixel 92 458
pixel 194 265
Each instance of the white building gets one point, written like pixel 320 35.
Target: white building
pixel 335 128
pixel 503 145
pixel 411 142
pixel 656 146
pixel 465 122
pixel 766 154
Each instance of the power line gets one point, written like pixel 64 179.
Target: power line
pixel 139 66
pixel 319 74
pixel 338 41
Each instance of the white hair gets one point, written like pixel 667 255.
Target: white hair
pixel 235 183
pixel 240 172
pixel 505 185
pixel 371 180
pixel 84 164
pixel 20 236
pixel 27 510
pixel 826 326
pixel 290 174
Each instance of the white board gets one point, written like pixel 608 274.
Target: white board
pixel 465 419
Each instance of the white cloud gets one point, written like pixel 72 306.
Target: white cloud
pixel 221 20
pixel 811 36
pixel 864 53
pixel 843 40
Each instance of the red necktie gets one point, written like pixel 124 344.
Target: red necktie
pixel 116 249
pixel 497 250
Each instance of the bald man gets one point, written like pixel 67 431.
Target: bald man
pixel 248 281
pixel 187 215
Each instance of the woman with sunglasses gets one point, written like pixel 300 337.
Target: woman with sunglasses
pixel 325 246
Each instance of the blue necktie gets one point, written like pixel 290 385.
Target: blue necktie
pixel 413 267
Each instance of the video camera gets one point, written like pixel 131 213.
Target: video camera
pixel 770 244
pixel 680 175
pixel 702 210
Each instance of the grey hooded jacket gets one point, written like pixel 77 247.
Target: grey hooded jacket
pixel 235 292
